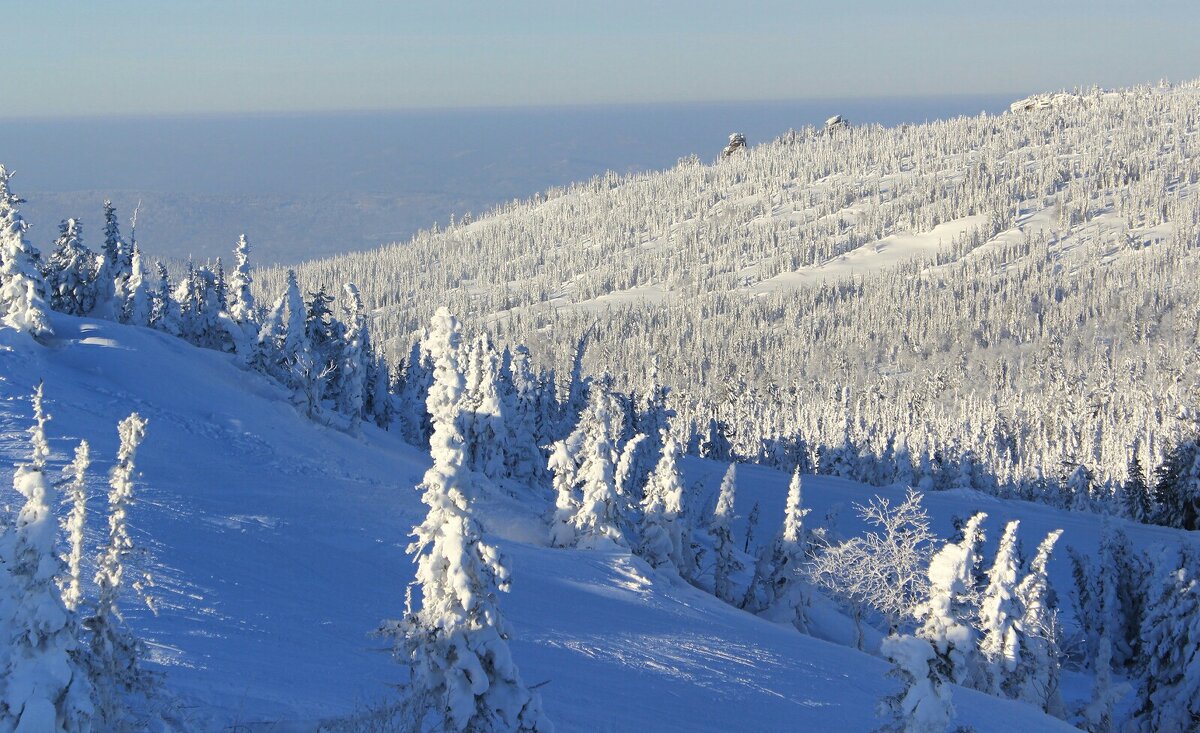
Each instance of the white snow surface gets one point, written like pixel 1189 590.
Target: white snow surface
pixel 277 546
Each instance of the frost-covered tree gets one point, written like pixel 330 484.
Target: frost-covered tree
pixel 885 569
pixel 71 272
pixel 115 653
pixel 139 307
pixel 527 420
pixel 165 315
pixel 1177 486
pixel 778 586
pixel 456 644
pixel 76 472
pixel 1135 492
pixel 350 389
pixel 599 516
pixel 564 468
pixel 22 290
pixel 947 617
pixel 1036 678
pixel 924 704
pixel 727 563
pixel 1168 696
pixel 241 299
pixel 661 534
pixel 484 430
pixel 999 615
pixel 44 687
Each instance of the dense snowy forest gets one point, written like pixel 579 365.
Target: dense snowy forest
pixel 990 305
pixel 994 300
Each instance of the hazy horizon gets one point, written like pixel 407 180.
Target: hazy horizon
pixel 303 186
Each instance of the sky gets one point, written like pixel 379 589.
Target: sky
pixel 155 57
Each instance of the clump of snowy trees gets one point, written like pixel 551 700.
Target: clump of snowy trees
pixel 70 664
pixel 328 364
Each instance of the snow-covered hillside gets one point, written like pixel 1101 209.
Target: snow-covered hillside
pixel 1015 291
pixel 277 545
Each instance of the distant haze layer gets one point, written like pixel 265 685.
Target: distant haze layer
pixel 304 186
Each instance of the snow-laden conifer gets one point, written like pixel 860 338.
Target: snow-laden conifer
pixel 1038 669
pixel 727 563
pixel 924 704
pixel 77 494
pixel 999 615
pixel 779 583
pixel 1168 696
pixel 22 290
pixel 43 688
pixel 115 653
pixel 71 272
pixel 457 643
pixel 661 534
pixel 139 306
pixel 351 385
pixel 949 613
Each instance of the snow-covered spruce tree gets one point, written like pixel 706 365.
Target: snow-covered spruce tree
pixel 483 418
pixel 1177 486
pixel 300 368
pixel 350 389
pixel 456 645
pixel 923 705
pixel 527 423
pixel 727 563
pixel 71 272
pixel 115 653
pixel 999 614
pixel 564 469
pixel 947 617
pixel 241 304
pixel 22 290
pixel 165 315
pixel 1136 491
pixel 599 516
pixel 883 570
pixel 44 687
pixel 778 587
pixel 77 493
pixel 1168 696
pixel 1036 679
pixel 139 307
pixel 661 536
pixel 627 479
pixel 116 262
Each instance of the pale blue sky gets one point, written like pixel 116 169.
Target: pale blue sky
pixel 185 56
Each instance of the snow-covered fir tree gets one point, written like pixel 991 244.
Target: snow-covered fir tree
pixel 22 289
pixel 1036 678
pixel 115 652
pixel 923 705
pixel 778 586
pixel 139 307
pixel 726 562
pixel 456 643
pixel 999 615
pixel 948 615
pixel 1168 695
pixel 76 471
pixel 44 686
pixel 71 272
pixel 661 541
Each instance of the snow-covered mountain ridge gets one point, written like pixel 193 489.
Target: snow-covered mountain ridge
pixel 1015 289
pixel 277 546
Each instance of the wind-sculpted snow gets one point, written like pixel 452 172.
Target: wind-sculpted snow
pixel 1015 291
pixel 269 580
